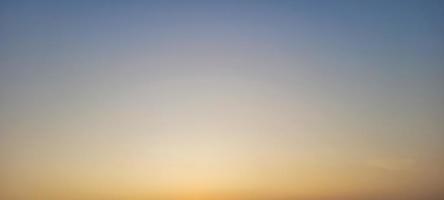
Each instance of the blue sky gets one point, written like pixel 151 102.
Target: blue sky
pixel 151 87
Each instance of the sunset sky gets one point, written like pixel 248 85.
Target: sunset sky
pixel 222 100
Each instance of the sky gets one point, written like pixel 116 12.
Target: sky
pixel 221 100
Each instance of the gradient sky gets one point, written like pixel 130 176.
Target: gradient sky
pixel 206 100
